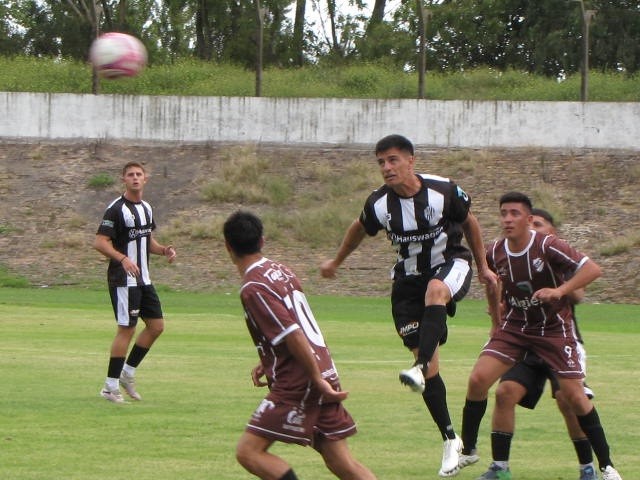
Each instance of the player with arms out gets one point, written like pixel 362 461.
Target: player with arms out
pixel 425 217
pixel 125 238
pixel 304 403
pixel 531 311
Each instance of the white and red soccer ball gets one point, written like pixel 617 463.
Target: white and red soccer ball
pixel 116 55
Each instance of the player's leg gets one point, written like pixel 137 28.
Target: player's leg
pixel 523 384
pixel 123 300
pixel 331 428
pixel 338 458
pixel 486 371
pixel 511 391
pixel 151 313
pixel 435 398
pixel 573 393
pixel 449 284
pixel 252 453
pixel 433 332
pixel 564 359
pixel 580 441
pixel 409 313
pixel 508 394
pixel 407 308
pixel 582 355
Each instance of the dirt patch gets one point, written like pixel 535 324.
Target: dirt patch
pixel 50 214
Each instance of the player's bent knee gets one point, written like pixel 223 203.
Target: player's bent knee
pixel 246 456
pixel 509 393
pixel 478 384
pixel 155 327
pixel 437 292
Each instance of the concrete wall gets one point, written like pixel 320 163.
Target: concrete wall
pixel 484 124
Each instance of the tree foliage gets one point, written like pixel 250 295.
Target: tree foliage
pixel 542 37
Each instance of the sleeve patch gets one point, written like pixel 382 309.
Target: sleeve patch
pixel 462 194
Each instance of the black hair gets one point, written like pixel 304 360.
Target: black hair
pixel 394 141
pixel 516 197
pixel 243 232
pixel 540 212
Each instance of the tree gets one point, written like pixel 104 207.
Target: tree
pixel 615 36
pixel 11 41
pixel 297 43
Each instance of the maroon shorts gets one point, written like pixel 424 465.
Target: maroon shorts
pixel 561 354
pixel 291 423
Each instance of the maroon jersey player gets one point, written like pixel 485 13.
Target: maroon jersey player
pixel 537 273
pixel 303 405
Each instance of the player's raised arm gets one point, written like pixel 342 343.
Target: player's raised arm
pixel 352 239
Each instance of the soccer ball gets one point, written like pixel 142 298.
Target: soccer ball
pixel 116 55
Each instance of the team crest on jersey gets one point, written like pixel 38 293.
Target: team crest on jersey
pixel 295 420
pixel 538 264
pixel 129 219
pixel 429 213
pixel 462 194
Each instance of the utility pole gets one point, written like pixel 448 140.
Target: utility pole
pixel 587 17
pixel 261 13
pixel 423 14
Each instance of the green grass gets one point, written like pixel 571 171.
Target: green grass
pixel 367 80
pixel 8 279
pixel 198 394
pixel 101 180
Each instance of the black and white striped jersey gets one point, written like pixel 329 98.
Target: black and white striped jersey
pixel 129 226
pixel 426 229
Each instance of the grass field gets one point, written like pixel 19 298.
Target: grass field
pixel 198 393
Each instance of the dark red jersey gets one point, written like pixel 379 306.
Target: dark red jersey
pixel 544 263
pixel 274 307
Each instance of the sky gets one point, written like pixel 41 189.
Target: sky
pixel 316 12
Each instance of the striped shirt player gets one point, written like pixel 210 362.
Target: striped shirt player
pixel 129 225
pixel 425 217
pixel 125 238
pixel 425 228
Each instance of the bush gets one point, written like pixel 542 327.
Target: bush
pixel 101 180
pixel 7 279
pixel 364 80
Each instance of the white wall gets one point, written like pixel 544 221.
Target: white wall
pixel 482 124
